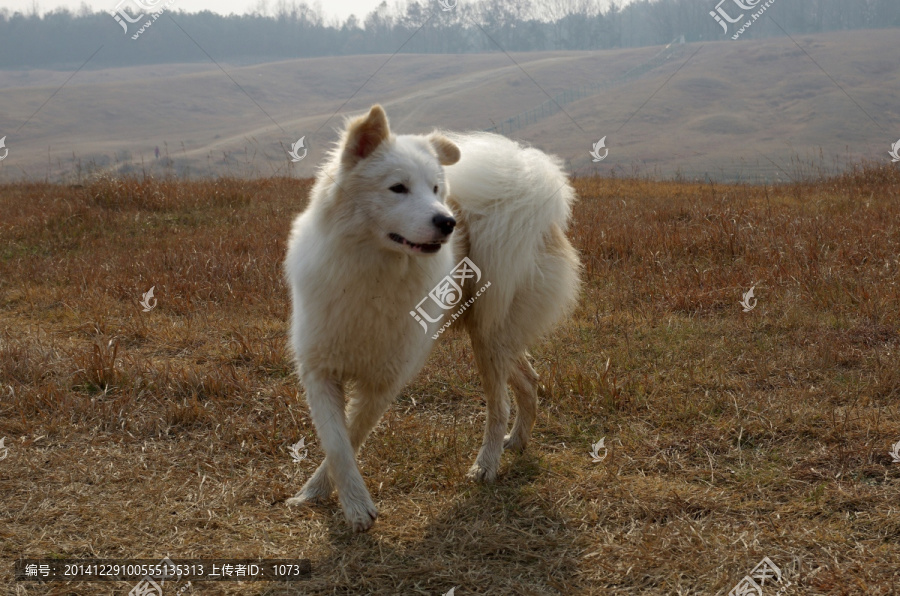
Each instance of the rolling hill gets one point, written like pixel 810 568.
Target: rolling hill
pixel 750 110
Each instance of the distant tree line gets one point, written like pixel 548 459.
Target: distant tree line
pixel 61 39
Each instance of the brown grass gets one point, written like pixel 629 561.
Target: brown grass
pixel 731 435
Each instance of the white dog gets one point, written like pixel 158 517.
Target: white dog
pixel 377 237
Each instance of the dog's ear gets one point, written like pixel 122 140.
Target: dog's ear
pixel 364 135
pixel 447 151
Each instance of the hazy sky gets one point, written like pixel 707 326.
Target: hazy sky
pixel 331 8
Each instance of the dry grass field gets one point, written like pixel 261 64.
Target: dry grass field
pixel 730 435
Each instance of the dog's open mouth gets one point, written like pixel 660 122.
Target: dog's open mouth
pixel 426 248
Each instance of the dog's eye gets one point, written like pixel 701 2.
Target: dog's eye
pixel 400 189
pixel 435 190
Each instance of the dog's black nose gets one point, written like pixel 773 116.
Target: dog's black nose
pixel 444 223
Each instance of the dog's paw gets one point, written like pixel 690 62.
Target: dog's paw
pixel 298 500
pixel 361 515
pixel 514 442
pixel 305 498
pixel 480 473
pixel 317 489
pixel 312 493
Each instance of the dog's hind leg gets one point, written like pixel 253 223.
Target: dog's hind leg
pixel 317 488
pixel 326 404
pixel 366 409
pixel 494 366
pixel 524 381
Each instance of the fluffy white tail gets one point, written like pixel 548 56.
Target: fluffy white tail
pixel 517 202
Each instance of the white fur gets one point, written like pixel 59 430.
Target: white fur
pixel 353 287
pixel 512 196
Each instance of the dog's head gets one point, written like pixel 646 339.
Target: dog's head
pixel 397 183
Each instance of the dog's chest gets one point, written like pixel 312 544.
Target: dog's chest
pixel 368 329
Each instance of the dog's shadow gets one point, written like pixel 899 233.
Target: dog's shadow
pixel 500 538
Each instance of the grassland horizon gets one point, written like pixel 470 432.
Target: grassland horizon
pixel 731 112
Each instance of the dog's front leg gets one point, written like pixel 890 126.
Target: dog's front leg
pixel 364 412
pixel 326 405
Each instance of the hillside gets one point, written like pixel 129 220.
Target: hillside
pixel 736 109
